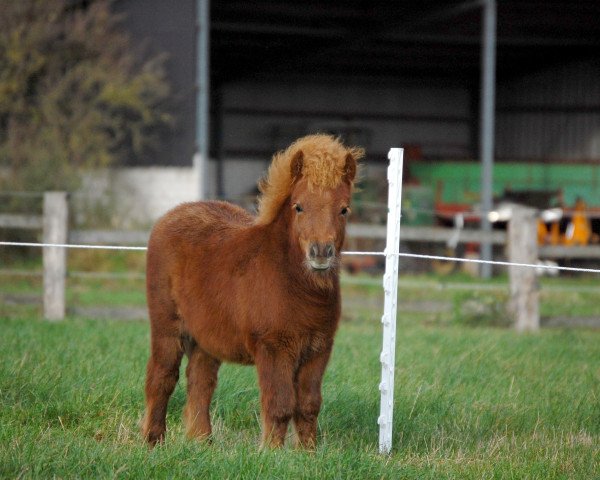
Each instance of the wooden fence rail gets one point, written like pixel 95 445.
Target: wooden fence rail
pixel 520 242
pixel 24 222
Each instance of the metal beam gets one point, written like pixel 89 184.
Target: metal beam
pixel 439 15
pixel 426 234
pixel 488 94
pixel 202 94
pixel 276 29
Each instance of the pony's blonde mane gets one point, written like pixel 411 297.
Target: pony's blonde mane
pixel 323 166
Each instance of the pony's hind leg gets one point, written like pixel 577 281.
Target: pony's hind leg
pixel 201 373
pixel 162 373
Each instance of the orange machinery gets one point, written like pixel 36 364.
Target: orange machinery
pixel 578 231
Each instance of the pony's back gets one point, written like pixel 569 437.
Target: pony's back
pixel 197 221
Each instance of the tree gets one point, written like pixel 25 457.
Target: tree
pixel 73 95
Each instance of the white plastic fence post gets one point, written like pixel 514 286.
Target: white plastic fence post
pixel 390 287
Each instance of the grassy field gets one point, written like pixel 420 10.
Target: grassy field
pixel 470 403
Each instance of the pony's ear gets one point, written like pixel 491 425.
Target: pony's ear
pixel 350 168
pixel 296 165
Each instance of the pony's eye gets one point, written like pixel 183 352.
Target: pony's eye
pixel 345 211
pixel 298 208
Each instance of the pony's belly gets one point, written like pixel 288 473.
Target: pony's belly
pixel 226 348
pixel 213 328
pixel 233 356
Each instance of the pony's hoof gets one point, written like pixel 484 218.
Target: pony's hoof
pixel 153 436
pixel 200 437
pixel 152 439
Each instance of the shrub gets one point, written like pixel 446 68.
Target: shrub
pixel 73 94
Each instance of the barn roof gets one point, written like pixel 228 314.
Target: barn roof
pixel 383 39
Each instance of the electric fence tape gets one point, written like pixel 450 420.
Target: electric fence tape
pixel 349 253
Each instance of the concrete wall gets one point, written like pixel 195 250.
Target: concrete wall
pixel 134 196
pixel 137 196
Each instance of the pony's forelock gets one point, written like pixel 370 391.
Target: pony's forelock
pixel 323 166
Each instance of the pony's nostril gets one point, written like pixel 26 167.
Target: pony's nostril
pixel 321 250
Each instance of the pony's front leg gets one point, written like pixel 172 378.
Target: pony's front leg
pixel 308 398
pixel 277 397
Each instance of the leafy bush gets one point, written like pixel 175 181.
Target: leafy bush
pixel 73 95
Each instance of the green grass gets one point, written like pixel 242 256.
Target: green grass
pixel 87 292
pixel 470 403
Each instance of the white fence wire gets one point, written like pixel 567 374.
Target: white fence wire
pixel 347 253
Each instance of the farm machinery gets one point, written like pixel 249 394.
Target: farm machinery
pixel 441 199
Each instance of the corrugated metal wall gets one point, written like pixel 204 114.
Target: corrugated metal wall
pixel 551 115
pixel 167 28
pixel 259 118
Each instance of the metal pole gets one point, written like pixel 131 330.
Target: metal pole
pixel 488 93
pixel 218 147
pixel 202 95
pixel 390 288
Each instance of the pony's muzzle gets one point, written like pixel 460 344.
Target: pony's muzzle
pixel 320 255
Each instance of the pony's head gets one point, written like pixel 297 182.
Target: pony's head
pixel 309 185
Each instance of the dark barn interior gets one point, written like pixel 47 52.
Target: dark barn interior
pixel 379 74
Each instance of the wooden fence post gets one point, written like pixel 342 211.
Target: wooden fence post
pixel 55 258
pixel 524 288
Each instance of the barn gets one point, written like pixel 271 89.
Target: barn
pixel 380 74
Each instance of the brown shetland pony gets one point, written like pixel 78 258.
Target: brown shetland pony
pixel 226 286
